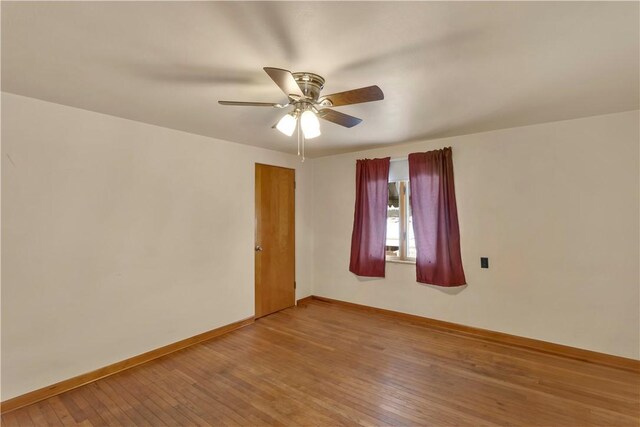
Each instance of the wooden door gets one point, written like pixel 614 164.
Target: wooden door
pixel 275 239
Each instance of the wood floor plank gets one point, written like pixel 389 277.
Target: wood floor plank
pixel 81 399
pixel 47 412
pixel 58 406
pixel 120 385
pixel 111 387
pixel 24 419
pixel 369 373
pixel 352 394
pixel 37 417
pixel 102 403
pixel 324 364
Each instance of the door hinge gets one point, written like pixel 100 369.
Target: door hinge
pixel 295 184
pixel 294 284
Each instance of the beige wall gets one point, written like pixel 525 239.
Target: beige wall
pixel 119 237
pixel 553 206
pixel 116 238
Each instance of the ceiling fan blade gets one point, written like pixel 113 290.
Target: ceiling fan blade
pixel 252 104
pixel 355 96
pixel 339 118
pixel 285 81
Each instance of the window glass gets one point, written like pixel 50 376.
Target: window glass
pixel 393 221
pixel 411 239
pixel 400 243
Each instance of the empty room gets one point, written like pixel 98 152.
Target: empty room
pixel 320 213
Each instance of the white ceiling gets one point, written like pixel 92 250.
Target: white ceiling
pixel 445 68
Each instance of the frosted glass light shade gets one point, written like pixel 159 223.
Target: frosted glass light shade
pixel 287 124
pixel 310 124
pixel 311 133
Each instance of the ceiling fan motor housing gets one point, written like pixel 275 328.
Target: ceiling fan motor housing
pixel 311 84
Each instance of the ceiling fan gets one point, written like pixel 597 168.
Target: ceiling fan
pixel 303 93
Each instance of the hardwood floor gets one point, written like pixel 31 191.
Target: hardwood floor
pixel 324 364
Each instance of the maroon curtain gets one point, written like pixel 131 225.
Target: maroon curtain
pixel 435 218
pixel 370 218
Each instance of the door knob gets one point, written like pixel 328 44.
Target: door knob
pixel 258 248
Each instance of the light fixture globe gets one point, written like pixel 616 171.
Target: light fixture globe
pixel 287 124
pixel 312 133
pixel 310 124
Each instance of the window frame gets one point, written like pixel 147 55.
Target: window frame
pixel 403 241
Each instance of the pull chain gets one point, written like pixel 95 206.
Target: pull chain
pixel 298 125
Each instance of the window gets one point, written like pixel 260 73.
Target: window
pixel 401 243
